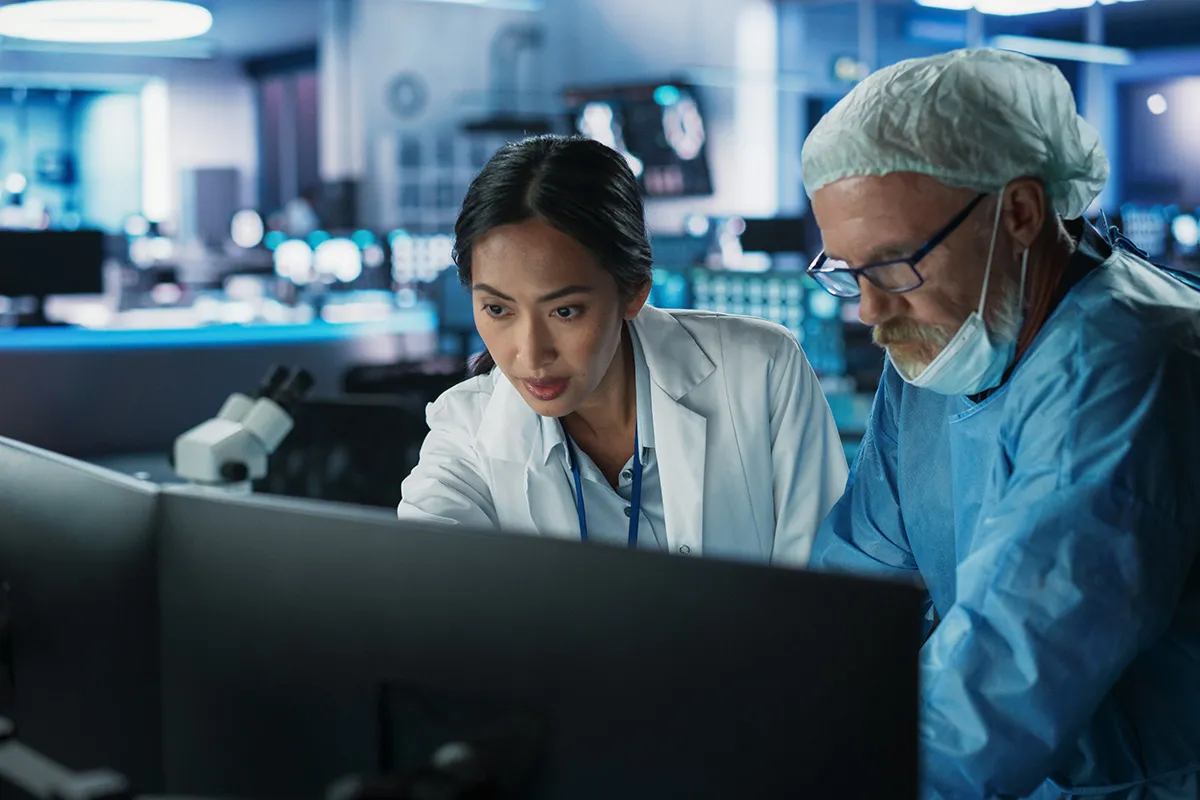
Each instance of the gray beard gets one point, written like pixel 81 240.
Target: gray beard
pixel 1003 322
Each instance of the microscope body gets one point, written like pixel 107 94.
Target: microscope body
pixel 231 450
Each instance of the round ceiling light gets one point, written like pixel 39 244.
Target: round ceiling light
pixel 93 21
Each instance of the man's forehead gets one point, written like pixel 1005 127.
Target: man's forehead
pixel 870 218
pixel 908 193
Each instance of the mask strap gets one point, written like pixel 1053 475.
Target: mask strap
pixel 987 273
pixel 1024 266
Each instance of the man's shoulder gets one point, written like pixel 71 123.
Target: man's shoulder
pixel 1126 313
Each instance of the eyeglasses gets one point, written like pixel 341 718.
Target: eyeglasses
pixel 894 276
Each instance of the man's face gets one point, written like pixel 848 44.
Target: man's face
pixel 871 219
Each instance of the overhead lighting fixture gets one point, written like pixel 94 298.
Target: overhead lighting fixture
pixel 15 183
pixel 107 21
pixel 1016 8
pixel 506 5
pixel 1063 51
pixel 1186 230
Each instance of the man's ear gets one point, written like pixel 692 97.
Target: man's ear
pixel 1025 212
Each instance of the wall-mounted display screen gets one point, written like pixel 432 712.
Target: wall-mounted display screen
pixel 658 127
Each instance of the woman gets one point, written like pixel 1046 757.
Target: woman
pixel 592 415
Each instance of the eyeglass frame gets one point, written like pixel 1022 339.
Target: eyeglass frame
pixel 814 269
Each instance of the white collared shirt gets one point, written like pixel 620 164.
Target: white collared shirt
pixel 608 508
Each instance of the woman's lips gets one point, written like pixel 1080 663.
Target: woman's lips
pixel 546 390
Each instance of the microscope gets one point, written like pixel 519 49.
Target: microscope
pixel 230 450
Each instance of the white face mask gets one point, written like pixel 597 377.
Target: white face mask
pixel 972 362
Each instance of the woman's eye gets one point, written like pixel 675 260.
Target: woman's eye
pixel 493 310
pixel 566 312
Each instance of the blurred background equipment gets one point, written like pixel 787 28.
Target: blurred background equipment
pixel 658 127
pixel 354 449
pixel 283 186
pixel 37 264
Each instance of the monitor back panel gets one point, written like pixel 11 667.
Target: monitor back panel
pixel 77 563
pixel 304 641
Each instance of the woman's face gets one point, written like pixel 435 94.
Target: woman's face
pixel 548 313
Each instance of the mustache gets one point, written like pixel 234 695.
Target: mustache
pixel 904 331
pixel 1003 321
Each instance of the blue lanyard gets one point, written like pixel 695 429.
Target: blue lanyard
pixel 635 500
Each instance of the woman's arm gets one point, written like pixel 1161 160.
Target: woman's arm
pixel 808 461
pixel 448 486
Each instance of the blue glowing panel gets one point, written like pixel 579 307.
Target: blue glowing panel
pixel 669 290
pixel 409 322
pixel 1147 228
pixel 788 299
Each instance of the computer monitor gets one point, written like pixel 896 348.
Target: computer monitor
pixel 775 235
pixel 306 641
pixel 80 672
pixel 456 315
pixel 42 263
pixel 660 128
pixel 455 310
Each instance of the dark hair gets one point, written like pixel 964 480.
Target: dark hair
pixel 577 185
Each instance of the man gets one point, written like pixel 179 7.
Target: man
pixel 1033 453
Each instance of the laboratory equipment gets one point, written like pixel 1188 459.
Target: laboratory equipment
pixel 333 451
pixel 231 450
pixel 38 264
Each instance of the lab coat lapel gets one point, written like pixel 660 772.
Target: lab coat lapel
pixel 514 439
pixel 679 447
pixel 677 365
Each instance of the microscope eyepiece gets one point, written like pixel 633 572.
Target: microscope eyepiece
pixel 294 389
pixel 273 382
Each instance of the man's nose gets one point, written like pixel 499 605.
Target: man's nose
pixel 875 306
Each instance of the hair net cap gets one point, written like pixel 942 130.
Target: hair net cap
pixel 971 118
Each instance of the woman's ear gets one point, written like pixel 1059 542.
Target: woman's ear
pixel 634 306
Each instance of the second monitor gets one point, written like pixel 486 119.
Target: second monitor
pixel 304 641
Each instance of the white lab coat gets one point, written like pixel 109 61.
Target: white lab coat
pixel 744 441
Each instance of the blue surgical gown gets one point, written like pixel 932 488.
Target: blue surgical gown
pixel 1055 525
